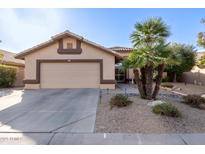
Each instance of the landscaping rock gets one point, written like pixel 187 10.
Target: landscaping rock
pixel 153 103
pixel 202 106
pixel 203 95
pixel 178 89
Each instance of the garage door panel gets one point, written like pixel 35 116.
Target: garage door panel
pixel 70 75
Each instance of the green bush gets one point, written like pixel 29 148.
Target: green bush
pixel 119 100
pixel 166 109
pixel 166 79
pixel 183 59
pixel 7 76
pixel 194 101
pixel 167 85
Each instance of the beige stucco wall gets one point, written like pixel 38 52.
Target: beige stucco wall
pixel 130 74
pixel 89 52
pixel 19 77
pixel 107 86
pixel 32 86
pixel 124 54
pixel 195 76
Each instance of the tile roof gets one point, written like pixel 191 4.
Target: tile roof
pixel 8 58
pixel 121 49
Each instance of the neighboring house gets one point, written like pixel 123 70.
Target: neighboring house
pixel 68 60
pixel 196 75
pixel 8 59
pixel 199 54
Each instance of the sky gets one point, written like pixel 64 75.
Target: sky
pixel 21 29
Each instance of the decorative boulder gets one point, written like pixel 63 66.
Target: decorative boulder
pixel 153 103
pixel 203 95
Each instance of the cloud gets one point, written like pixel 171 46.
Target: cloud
pixel 23 28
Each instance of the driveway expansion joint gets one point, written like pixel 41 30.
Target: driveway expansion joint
pixel 51 138
pixel 65 125
pixel 181 137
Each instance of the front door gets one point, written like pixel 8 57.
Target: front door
pixel 119 75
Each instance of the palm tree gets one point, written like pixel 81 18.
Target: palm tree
pixel 150 54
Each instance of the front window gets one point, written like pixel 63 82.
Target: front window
pixel 119 73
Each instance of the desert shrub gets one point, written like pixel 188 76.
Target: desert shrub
pixel 166 79
pixel 166 109
pixel 194 100
pixel 167 85
pixel 119 100
pixel 7 76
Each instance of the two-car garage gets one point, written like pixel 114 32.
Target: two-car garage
pixel 72 75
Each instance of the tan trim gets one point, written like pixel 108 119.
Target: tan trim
pixel 39 61
pixel 55 38
pixel 77 50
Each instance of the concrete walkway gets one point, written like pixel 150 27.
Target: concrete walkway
pixel 101 139
pixel 128 88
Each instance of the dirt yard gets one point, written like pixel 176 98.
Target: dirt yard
pixel 138 118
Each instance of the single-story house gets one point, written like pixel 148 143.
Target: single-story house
pixel 9 60
pixel 68 60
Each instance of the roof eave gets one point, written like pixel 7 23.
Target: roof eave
pixel 55 38
pixel 13 64
pixel 22 54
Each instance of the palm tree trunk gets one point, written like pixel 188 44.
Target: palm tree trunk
pixel 149 81
pixel 139 83
pixel 160 70
pixel 143 78
pixel 175 77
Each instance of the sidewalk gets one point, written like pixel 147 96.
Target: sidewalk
pixel 101 139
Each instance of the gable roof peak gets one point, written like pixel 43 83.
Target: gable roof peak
pixel 66 33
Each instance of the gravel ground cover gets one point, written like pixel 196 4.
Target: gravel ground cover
pixel 8 91
pixel 138 117
pixel 188 88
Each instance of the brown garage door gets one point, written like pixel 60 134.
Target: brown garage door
pixel 70 75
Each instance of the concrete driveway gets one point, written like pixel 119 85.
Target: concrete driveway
pixel 49 111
